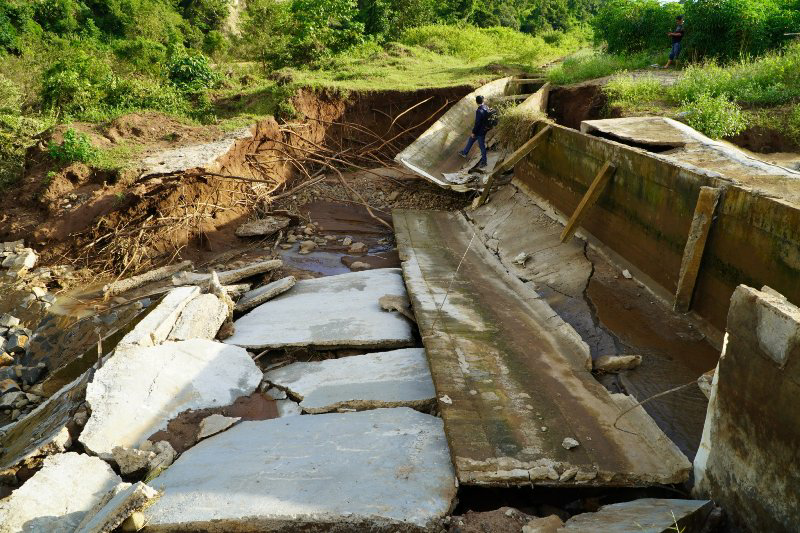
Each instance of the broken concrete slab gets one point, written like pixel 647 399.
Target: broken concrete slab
pixel 288 408
pixel 216 423
pixel 156 326
pixel 139 389
pixel 379 470
pixel 58 497
pixel 260 295
pixel 202 156
pixel 201 318
pixel 385 379
pixel 333 311
pixel 616 363
pixel 120 503
pixel 750 437
pixel 647 515
pixel 509 366
pixel 228 276
pixel 118 287
pixel 263 227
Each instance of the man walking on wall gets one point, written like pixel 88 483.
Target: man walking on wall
pixel 676 36
pixel 479 131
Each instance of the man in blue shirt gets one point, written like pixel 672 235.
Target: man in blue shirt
pixel 676 36
pixel 478 131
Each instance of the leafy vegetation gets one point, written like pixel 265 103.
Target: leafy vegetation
pixel 716 116
pixel 591 64
pixel 73 148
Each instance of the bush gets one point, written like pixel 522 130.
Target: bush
pixel 515 126
pixel 75 83
pixel 632 26
pixel 715 116
pixel 191 72
pixel 323 27
pixel 144 55
pixel 75 147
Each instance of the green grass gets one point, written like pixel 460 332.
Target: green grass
pixel 591 64
pixel 627 91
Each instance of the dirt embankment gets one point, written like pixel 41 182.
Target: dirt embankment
pixel 121 221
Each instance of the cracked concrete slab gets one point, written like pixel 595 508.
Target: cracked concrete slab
pixel 260 295
pixel 379 470
pixel 510 366
pixel 58 497
pixel 333 311
pixel 190 157
pixel 201 318
pixel 156 326
pixel 386 379
pixel 646 515
pixel 139 389
pixel 121 502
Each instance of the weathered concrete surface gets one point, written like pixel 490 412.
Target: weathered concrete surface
pixel 228 276
pixel 379 470
pixel 645 214
pixel 510 367
pixel 139 390
pixel 260 295
pixel 647 515
pixel 386 379
pixel 44 431
pixel 201 318
pixel 749 448
pixel 157 325
pixel 512 226
pixel 185 158
pixel 331 311
pixel 57 498
pixel 121 502
pixel 435 152
pixel 216 423
pixel 616 363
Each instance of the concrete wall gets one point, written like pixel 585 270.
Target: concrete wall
pixel 748 456
pixel 645 213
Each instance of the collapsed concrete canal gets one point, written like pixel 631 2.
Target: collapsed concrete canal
pixel 362 349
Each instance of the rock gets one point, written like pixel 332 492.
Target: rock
pixel 236 291
pixel 260 295
pixel 286 246
pixel 521 258
pixel 399 303
pixel 288 408
pixel 165 455
pixel 651 515
pixel 627 274
pixel 393 196
pixel 38 291
pixel 25 260
pixel 8 321
pixel 357 248
pixel 550 524
pixel 58 497
pixel 119 504
pixel 156 326
pixel 132 462
pixel 134 522
pixel 703 382
pixel 9 399
pixel 340 311
pixel 5 360
pixel 347 241
pixel 8 386
pixel 139 389
pixel 306 247
pixel 569 443
pixel 263 227
pixel 275 394
pixel 16 342
pixel 543 472
pixel 332 468
pixel 385 379
pixel 616 363
pixel 30 374
pixel 211 425
pixel 200 319
pixel 357 266
pixel 291 239
pixel 568 474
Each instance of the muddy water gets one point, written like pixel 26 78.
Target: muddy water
pixel 673 353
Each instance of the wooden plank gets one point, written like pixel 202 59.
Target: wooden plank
pixel 695 245
pixel 592 194
pixel 512 160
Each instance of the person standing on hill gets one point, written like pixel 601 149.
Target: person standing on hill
pixel 478 131
pixel 676 36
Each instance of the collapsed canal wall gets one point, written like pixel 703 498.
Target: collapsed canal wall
pixel 645 213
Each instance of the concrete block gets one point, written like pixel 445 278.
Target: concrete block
pixel 58 497
pixel 156 326
pixel 260 295
pixel 211 425
pixel 386 379
pixel 200 319
pixel 379 470
pixel 120 503
pixel 139 389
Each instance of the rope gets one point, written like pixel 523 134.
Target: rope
pixel 452 279
pixel 670 391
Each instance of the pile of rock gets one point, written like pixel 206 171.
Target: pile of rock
pixel 16 258
pixel 18 395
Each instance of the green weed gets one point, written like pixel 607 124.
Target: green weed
pixel 628 91
pixel 715 116
pixel 587 65
pixel 75 147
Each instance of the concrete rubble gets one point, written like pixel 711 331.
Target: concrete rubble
pixel 201 318
pixel 154 328
pixel 616 363
pixel 262 294
pixel 228 276
pixel 263 227
pixel 382 470
pixel 120 503
pixel 386 379
pixel 214 424
pixel 202 156
pixel 58 497
pixel 139 389
pixel 749 446
pixel 333 311
pixel 647 515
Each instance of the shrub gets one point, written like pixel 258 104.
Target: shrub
pixel 75 83
pixel 324 27
pixel 75 147
pixel 715 116
pixel 515 125
pixel 138 93
pixel 793 123
pixel 191 72
pixel 631 26
pixel 144 55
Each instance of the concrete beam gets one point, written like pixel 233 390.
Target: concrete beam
pixel 592 194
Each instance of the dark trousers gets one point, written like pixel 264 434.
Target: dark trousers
pixel 481 143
